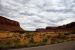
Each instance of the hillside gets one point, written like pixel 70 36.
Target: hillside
pixel 9 25
pixel 65 28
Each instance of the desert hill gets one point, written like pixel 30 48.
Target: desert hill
pixel 9 25
pixel 67 27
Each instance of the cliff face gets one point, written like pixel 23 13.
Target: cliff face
pixel 9 25
pixel 67 27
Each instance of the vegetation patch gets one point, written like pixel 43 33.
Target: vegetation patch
pixel 32 39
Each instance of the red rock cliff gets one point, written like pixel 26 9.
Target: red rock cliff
pixel 67 27
pixel 9 25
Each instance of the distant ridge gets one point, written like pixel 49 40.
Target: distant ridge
pixel 9 25
pixel 67 27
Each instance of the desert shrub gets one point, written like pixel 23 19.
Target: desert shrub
pixel 37 38
pixel 29 39
pixel 24 41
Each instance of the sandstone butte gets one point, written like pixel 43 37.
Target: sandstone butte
pixel 9 25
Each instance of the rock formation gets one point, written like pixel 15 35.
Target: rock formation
pixel 67 27
pixel 9 25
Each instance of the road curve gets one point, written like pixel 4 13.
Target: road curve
pixel 62 46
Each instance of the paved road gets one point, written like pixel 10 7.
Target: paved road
pixel 61 46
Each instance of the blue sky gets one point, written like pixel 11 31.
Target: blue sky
pixel 33 14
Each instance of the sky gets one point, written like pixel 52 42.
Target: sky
pixel 33 14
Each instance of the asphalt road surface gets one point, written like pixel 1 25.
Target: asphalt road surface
pixel 62 46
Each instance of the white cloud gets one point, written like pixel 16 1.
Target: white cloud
pixel 34 14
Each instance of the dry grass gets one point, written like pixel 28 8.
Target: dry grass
pixel 28 39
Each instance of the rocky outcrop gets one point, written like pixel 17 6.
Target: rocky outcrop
pixel 64 28
pixel 9 25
